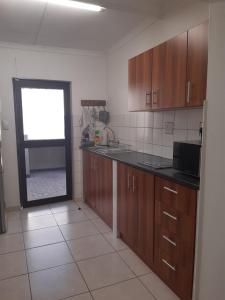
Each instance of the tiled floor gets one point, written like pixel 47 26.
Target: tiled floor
pixel 46 184
pixel 58 252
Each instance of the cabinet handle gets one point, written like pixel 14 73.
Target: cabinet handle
pixel 189 91
pixel 169 215
pixel 148 98
pixel 133 184
pixel 155 99
pixel 128 182
pixel 168 265
pixel 170 190
pixel 95 164
pixel 169 240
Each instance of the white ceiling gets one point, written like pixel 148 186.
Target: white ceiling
pixel 36 22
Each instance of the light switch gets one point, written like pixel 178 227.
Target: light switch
pixel 5 125
pixel 169 127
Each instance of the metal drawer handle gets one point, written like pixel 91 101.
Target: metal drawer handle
pixel 169 215
pixel 169 240
pixel 133 184
pixel 168 265
pixel 128 181
pixel 170 190
pixel 188 91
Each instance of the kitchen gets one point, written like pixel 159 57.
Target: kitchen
pixel 150 130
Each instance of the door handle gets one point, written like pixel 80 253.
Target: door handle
pixel 168 265
pixel 169 240
pixel 134 184
pixel 155 96
pixel 148 98
pixel 128 182
pixel 169 215
pixel 189 92
pixel 170 190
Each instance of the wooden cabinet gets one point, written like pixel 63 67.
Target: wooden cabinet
pixel 197 65
pixel 97 184
pixel 140 81
pixel 136 210
pixel 175 220
pixel 171 75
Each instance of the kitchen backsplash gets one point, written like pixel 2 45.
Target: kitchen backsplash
pixel 155 132
pixel 144 131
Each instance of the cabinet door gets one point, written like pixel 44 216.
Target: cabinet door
pixel 175 219
pixel 144 182
pixel 127 206
pixel 169 73
pixel 140 81
pixel 197 65
pixel 104 175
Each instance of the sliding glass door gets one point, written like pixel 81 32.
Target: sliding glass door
pixel 42 114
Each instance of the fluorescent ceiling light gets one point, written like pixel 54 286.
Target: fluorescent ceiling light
pixel 77 4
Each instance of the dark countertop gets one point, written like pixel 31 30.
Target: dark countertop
pixel 136 159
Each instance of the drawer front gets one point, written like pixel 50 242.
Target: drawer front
pixel 175 218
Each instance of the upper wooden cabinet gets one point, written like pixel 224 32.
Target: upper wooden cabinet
pixel 140 82
pixel 197 65
pixel 171 75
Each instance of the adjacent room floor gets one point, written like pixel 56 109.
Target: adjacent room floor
pixel 46 184
pixel 59 252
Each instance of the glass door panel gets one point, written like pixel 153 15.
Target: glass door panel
pixel 45 172
pixel 43 114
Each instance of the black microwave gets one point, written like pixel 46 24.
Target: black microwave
pixel 187 157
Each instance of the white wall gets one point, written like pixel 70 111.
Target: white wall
pixel 86 71
pixel 146 131
pixel 211 261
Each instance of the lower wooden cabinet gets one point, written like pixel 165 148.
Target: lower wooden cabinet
pixel 97 184
pixel 157 220
pixel 136 210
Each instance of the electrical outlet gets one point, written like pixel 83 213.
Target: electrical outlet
pixel 169 127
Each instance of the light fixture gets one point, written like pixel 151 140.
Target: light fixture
pixel 77 4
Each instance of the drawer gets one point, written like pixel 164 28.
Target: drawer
pixel 173 196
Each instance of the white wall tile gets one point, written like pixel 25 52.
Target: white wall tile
pixel 140 119
pixel 193 135
pixel 158 119
pixel 148 138
pixel 194 119
pixel 149 119
pixel 157 136
pixel 180 135
pixel 168 116
pixel 167 139
pixel 181 119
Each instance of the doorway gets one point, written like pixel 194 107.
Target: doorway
pixel 42 116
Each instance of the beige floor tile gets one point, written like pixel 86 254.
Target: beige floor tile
pixel 35 211
pixel 63 206
pixel 134 262
pixel 90 246
pixel 48 256
pixel 86 296
pixel 20 290
pixel 90 213
pixel 41 237
pixel 57 283
pixel 12 264
pixel 14 225
pixel 117 243
pixel 38 222
pixel 102 226
pixel 70 217
pixel 104 270
pixel 155 285
pixel 128 290
pixel 11 243
pixel 82 204
pixel 77 230
pixel 13 214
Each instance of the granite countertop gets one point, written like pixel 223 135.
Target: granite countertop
pixel 136 159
